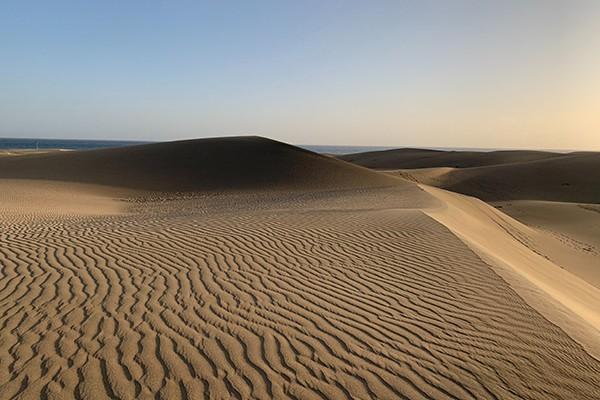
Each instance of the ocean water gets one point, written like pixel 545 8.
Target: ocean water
pixel 72 144
pixel 27 144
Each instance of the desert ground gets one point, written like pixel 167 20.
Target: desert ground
pixel 247 268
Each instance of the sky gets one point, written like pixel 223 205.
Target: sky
pixel 457 73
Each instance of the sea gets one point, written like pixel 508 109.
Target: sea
pixel 68 144
pixel 73 144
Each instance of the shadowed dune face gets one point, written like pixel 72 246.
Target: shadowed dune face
pixel 570 178
pixel 422 158
pixel 221 164
pixel 497 176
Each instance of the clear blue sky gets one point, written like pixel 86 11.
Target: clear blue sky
pixel 428 73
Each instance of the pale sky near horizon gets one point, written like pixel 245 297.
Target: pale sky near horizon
pixel 496 74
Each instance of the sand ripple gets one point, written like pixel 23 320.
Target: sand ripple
pixel 337 304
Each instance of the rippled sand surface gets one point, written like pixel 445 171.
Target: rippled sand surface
pixel 311 299
pixel 324 294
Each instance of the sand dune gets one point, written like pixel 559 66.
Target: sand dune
pixel 316 279
pixel 514 248
pixel 423 158
pixel 237 163
pixel 566 178
pixel 533 187
pixel 581 221
pixel 575 226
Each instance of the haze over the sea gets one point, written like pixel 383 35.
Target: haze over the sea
pixel 510 74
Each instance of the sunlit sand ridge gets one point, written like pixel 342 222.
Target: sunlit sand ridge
pixel 247 268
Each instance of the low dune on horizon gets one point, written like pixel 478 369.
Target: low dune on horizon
pixel 495 175
pixel 252 269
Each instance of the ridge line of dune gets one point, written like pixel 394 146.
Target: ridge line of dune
pixel 495 237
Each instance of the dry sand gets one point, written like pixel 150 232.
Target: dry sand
pixel 246 268
pixel 556 194
pixel 576 226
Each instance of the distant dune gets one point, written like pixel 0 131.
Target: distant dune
pixel 234 163
pixel 246 268
pixel 571 178
pixel 423 158
pixel 496 176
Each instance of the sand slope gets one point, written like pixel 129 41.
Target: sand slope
pixel 507 244
pixel 547 191
pixel 496 175
pixel 236 163
pixel 567 178
pixel 579 221
pixel 317 293
pixel 423 158
pixel 568 233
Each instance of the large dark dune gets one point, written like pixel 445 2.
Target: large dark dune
pixel 220 164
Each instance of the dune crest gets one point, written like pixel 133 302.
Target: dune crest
pixel 505 243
